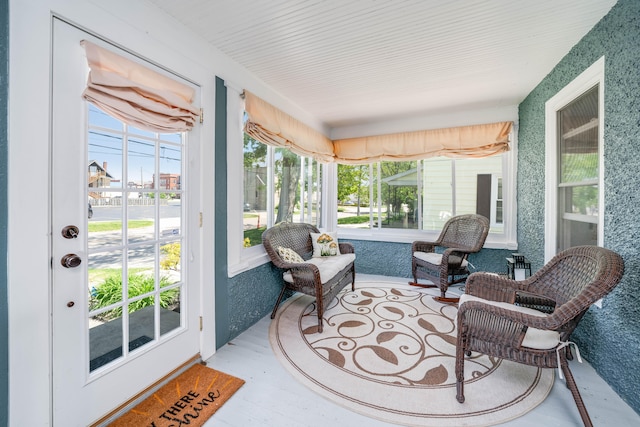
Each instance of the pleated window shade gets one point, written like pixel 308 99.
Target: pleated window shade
pixel 474 141
pixel 136 94
pixel 271 126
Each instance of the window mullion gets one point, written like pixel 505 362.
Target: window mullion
pixel 270 186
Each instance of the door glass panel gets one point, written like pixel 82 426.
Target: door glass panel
pixel 105 148
pixel 170 259
pixel 141 162
pixel 141 213
pixel 169 310
pixel 170 221
pixel 140 197
pixel 136 131
pixel 105 291
pixel 105 338
pixel 141 322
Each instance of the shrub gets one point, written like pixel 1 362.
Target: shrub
pixel 172 258
pixel 110 292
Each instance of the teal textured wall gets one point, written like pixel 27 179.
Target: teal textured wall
pixel 609 338
pixel 394 259
pixel 244 299
pixel 252 295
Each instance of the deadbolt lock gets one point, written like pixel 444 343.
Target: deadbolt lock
pixel 70 232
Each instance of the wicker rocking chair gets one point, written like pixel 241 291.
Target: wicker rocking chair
pixel 531 321
pixel 461 235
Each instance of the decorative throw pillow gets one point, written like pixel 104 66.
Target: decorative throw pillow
pixel 289 255
pixel 325 244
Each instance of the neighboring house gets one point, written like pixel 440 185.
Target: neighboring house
pixel 168 181
pixel 254 187
pixel 98 178
pixel 479 183
pixel 608 336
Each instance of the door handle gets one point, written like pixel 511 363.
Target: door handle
pixel 70 232
pixel 70 261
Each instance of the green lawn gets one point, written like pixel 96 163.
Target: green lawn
pixel 255 235
pixel 117 225
pixel 356 219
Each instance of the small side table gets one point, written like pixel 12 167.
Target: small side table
pixel 517 262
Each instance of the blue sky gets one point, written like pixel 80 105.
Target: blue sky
pixel 106 142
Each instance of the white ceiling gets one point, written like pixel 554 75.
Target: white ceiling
pixel 352 62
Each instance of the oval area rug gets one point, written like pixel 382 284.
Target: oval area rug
pixel 388 351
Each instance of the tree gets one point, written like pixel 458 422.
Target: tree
pixel 353 181
pixel 394 196
pixel 255 152
pixel 288 172
pixel 347 182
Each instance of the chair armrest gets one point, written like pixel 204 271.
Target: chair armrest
pixel 305 274
pixel 498 324
pixel 538 302
pixel 423 246
pixel 491 287
pixel 457 255
pixel 346 248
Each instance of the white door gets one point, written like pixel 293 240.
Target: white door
pixel 125 247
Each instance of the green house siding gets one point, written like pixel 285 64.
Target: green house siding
pixel 606 336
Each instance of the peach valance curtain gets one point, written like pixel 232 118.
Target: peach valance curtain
pixel 136 94
pixel 467 141
pixel 272 126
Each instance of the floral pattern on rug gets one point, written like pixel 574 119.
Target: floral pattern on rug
pixel 392 335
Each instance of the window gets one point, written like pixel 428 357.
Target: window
pixel 385 201
pixel 272 185
pixel 135 240
pixel 278 186
pixel 574 169
pixel 578 172
pixel 420 195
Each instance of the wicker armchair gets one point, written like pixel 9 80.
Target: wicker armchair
pixel 461 235
pixel 495 315
pixel 305 276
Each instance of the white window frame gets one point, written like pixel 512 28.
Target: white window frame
pixel 589 78
pixel 495 178
pixel 239 258
pixel 505 240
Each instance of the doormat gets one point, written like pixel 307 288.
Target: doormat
pixel 189 399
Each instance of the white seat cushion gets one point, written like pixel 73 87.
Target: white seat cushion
pixel 433 258
pixel 328 266
pixel 534 338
